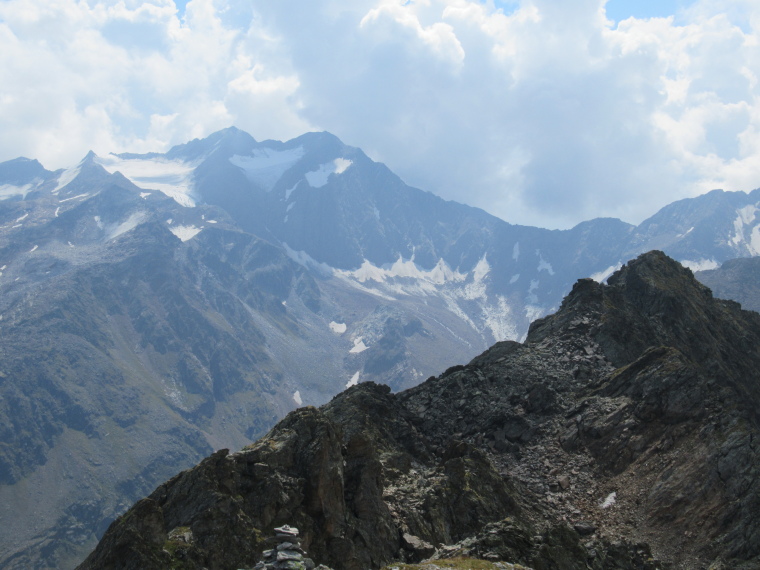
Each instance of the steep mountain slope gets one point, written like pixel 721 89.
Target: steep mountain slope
pixel 736 279
pixel 140 334
pixel 705 231
pixel 627 421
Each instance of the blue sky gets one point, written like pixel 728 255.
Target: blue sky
pixel 542 112
pixel 621 9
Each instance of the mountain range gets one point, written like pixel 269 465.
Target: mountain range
pixel 157 307
pixel 620 435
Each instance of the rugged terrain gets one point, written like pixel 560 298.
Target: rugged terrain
pixel 621 434
pixel 157 307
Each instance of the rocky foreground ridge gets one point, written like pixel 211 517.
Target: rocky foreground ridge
pixel 622 434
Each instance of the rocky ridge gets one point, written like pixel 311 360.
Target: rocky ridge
pixel 621 434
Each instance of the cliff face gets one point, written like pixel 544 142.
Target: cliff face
pixel 621 434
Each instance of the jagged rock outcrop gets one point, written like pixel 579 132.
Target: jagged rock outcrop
pixel 622 434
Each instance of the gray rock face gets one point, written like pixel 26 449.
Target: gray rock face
pixel 619 435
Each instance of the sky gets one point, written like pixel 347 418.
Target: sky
pixel 541 112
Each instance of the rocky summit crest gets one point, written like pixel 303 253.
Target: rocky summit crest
pixel 622 434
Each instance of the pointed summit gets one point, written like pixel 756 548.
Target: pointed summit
pixel 654 301
pixel 88 173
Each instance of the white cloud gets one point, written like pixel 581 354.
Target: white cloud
pixel 548 114
pixel 438 37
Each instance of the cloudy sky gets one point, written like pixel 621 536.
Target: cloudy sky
pixel 542 112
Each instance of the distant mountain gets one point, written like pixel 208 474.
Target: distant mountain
pixel 736 279
pixel 155 307
pixel 621 434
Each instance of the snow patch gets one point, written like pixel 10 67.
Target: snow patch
pixel 129 224
pixel 354 379
pixel 170 221
pixel 58 209
pixel 516 251
pixel 465 294
pixel 67 176
pixel 297 398
pixel 144 195
pixel 533 312
pixel 318 178
pixel 33 249
pixel 185 232
pixel 499 319
pixel 532 298
pixel 609 501
pixel 687 232
pixel 22 218
pixel 9 191
pixel 700 265
pixel 304 259
pixel 337 328
pixel 266 166
pixel 77 197
pixel 543 265
pixel 755 241
pixel 289 191
pixel 290 206
pixel 359 346
pixel 212 221
pixel 439 275
pixel 175 178
pixel 744 217
pixel 747 214
pixel 98 222
pixel 602 276
pixel 341 165
pixel 481 270
pixel 514 279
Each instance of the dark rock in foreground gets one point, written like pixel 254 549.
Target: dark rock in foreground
pixel 622 432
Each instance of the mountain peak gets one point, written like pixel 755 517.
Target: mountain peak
pixel 232 139
pixel 657 272
pixel 21 171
